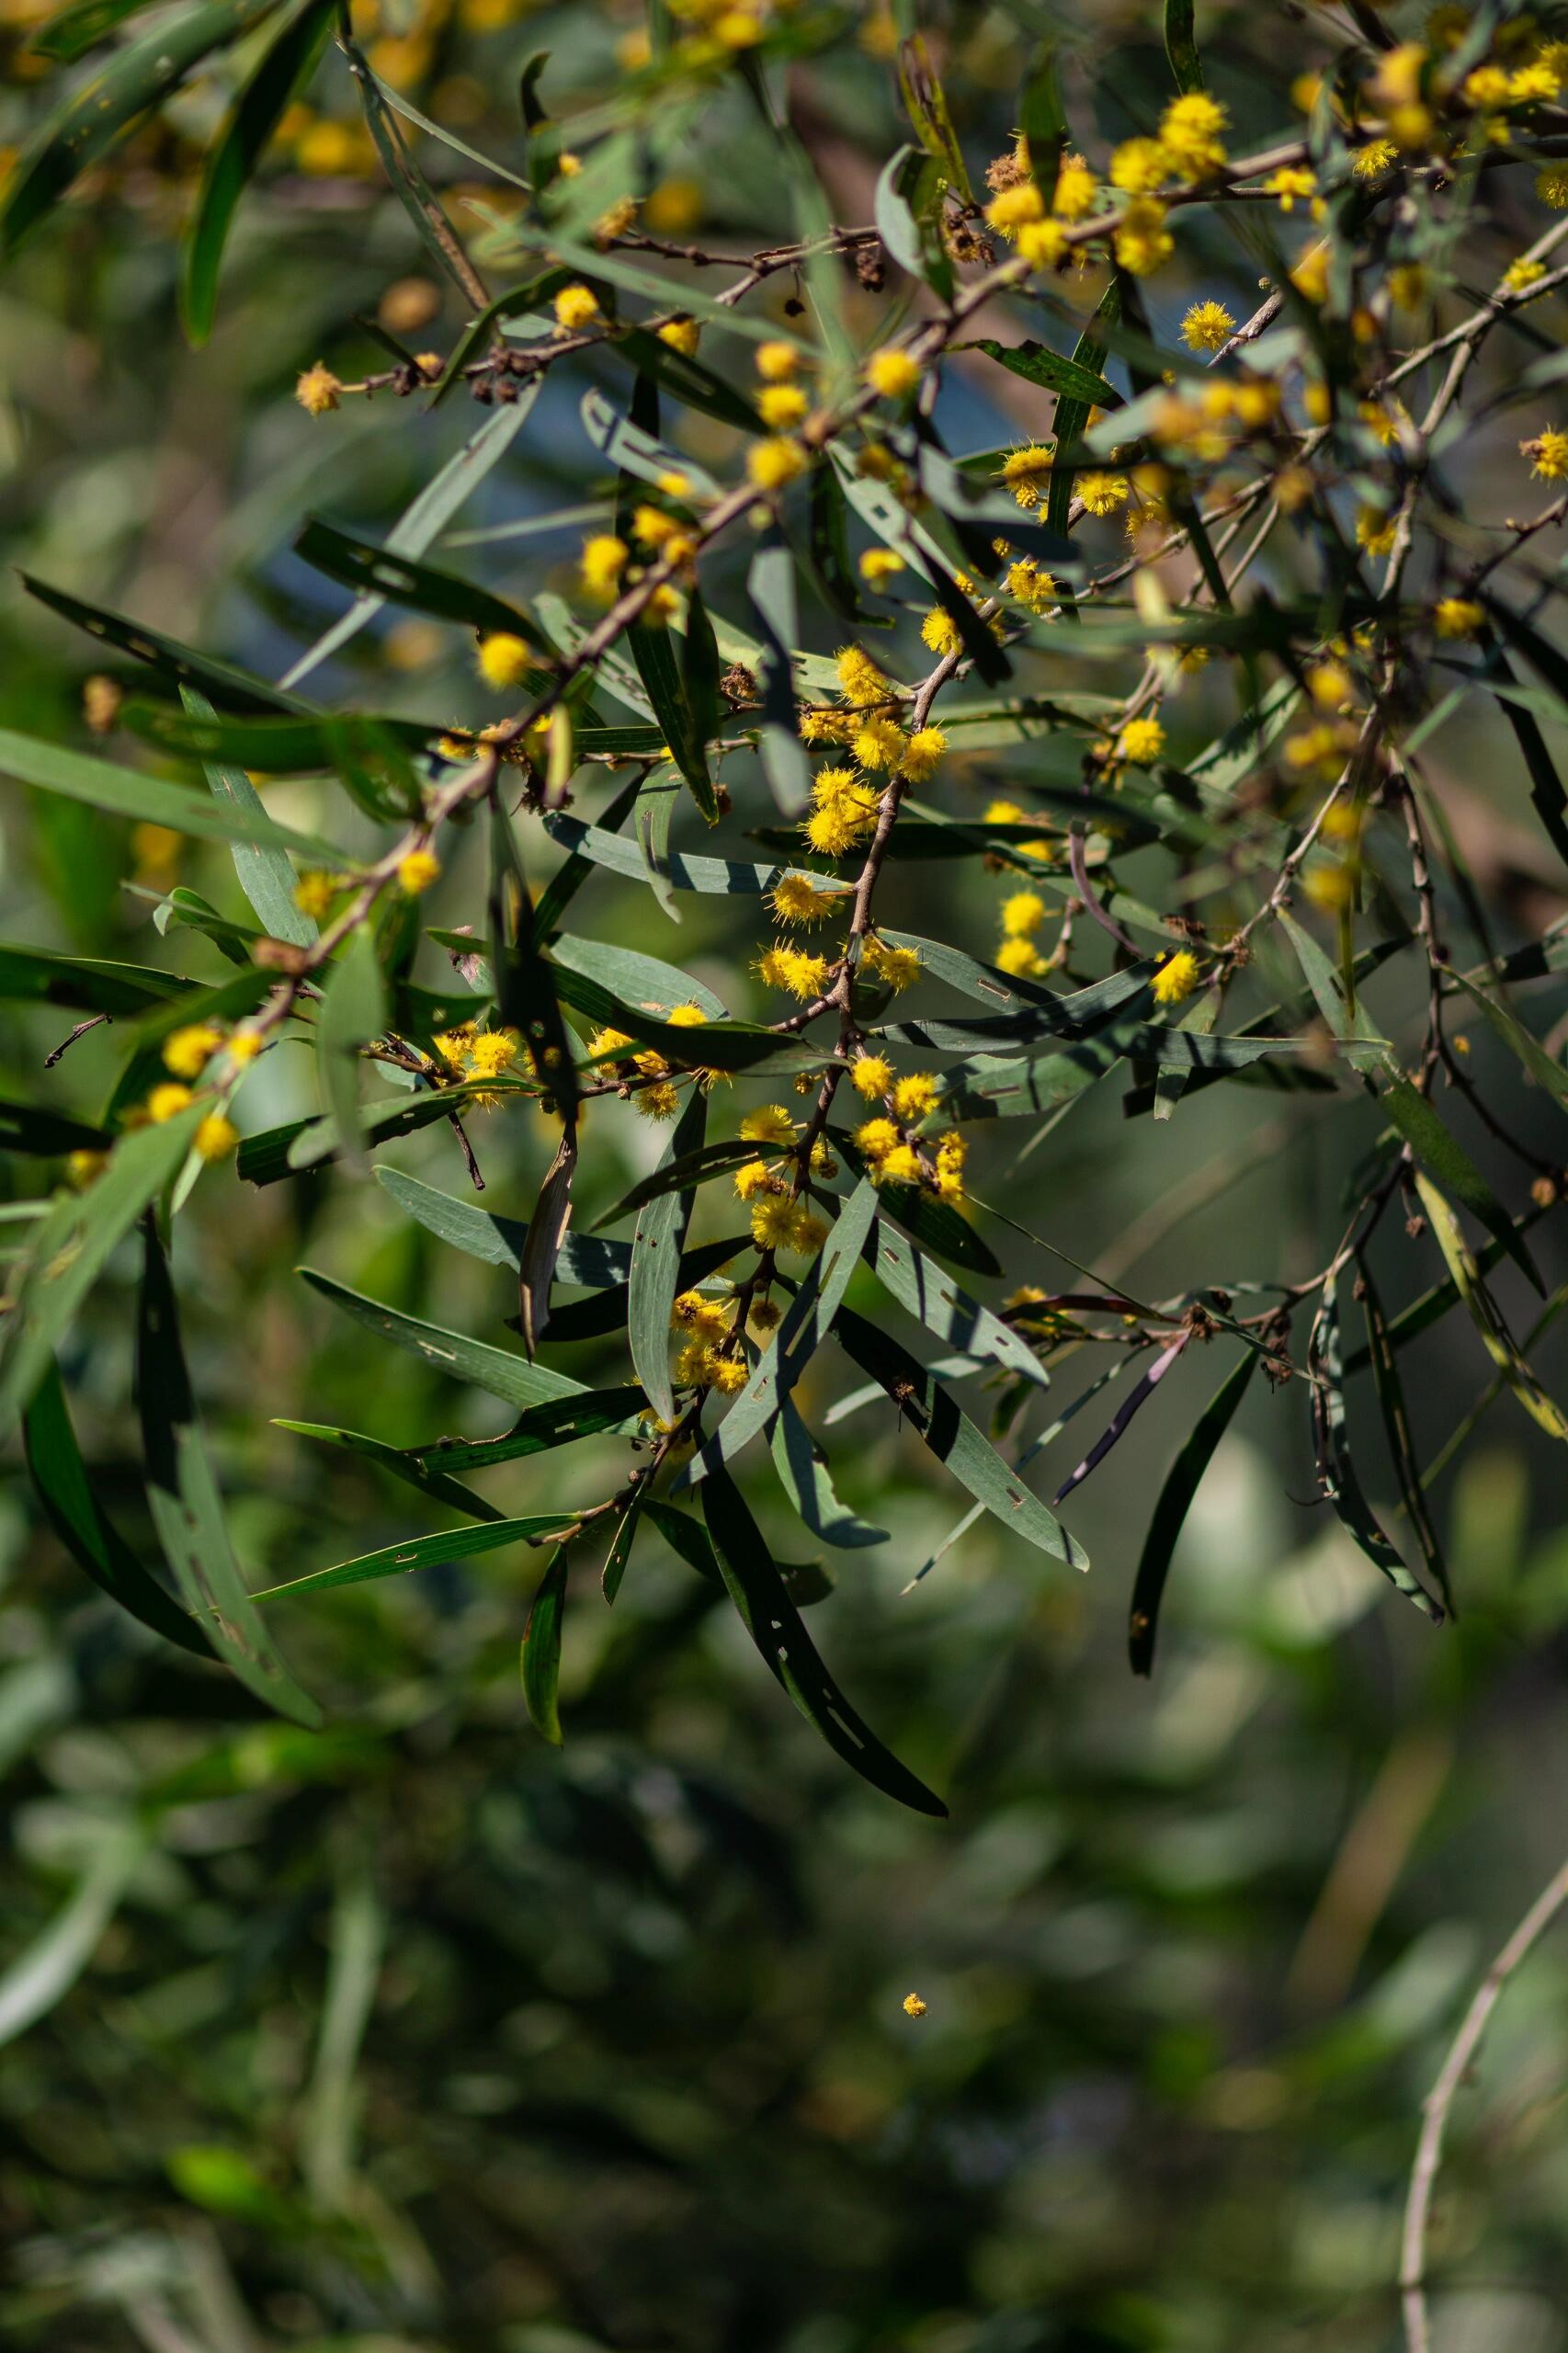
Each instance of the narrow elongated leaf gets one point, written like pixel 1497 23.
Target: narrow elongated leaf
pixel 1485 1314
pixel 24 1128
pixel 1396 1427
pixel 1354 1026
pixel 67 1251
pixel 806 1323
pixel 83 983
pixel 1072 1015
pixel 1175 1499
pixel 427 515
pixel 994 1087
pixel 1138 1397
pixel 542 1251
pixel 655 1263
pixel 1038 364
pixel 710 1160
pixel 187 1506
pixel 100 112
pixel 524 983
pixel 770 591
pixel 655 813
pixel 353 1013
pixel 774 1623
pixel 541 1648
pixel 1073 415
pixel 933 1221
pixel 1336 1472
pixel 625 1536
pixel 633 450
pixel 1540 1065
pixel 400 580
pixel 1181 46
pixel 799 1462
pixel 231 688
pixel 425 1551
pixel 927 107
pixel 1445 1159
pixel 151 800
pixel 585 1258
pixel 65 1491
pixel 538 1429
pixel 283 69
pixel 728 1045
pixel 264 874
pixel 1546 785
pixel 497 1370
pixel 300 1144
pixel 932 1295
pixel 722 877
pixel 72 32
pixel 688 379
pixel 1171 1077
pixel 952 1438
pixel 646 981
pixel 658 666
pixel 409 1468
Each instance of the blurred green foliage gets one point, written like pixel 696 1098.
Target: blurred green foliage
pixel 416 2034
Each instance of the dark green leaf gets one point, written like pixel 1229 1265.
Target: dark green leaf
pixel 46 1134
pixel 187 1506
pixel 1441 1153
pixel 1396 1428
pixel 425 1551
pixel 806 1323
pixel 1170 1512
pixel 770 589
pixel 1038 364
pixel 945 1309
pixel 150 799
pixel 800 1463
pixel 655 1263
pixel 82 984
pixel 370 569
pixel 540 1660
pixel 938 1422
pixel 497 1370
pixel 934 1222
pixel 1073 415
pixel 540 1429
pixel 525 983
pixel 407 1467
pixel 710 1045
pixel 1181 46
pixel 65 1491
pixel 264 874
pixel 720 876
pixel 620 1553
pixel 282 71
pixel 100 112
pixel 772 1620
pixel 67 1250
pixel 1336 1474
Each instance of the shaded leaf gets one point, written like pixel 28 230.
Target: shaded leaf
pixel 497 1370
pixel 425 1551
pixel 1445 1159
pixel 952 1438
pixel 656 1263
pixel 280 75
pixel 151 800
pixel 65 1491
pixel 772 1620
pixel 805 1325
pixel 1485 1314
pixel 187 1506
pixel 1336 1474
pixel 540 1660
pixel 1182 1483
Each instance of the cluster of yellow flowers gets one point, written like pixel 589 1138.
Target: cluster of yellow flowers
pixel 468 1052
pixel 893 1155
pixel 706 1358
pixel 656 1098
pixel 190 1055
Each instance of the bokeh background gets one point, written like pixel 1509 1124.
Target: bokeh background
pixel 414 2033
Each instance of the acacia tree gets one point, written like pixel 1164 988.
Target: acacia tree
pixel 1167 668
